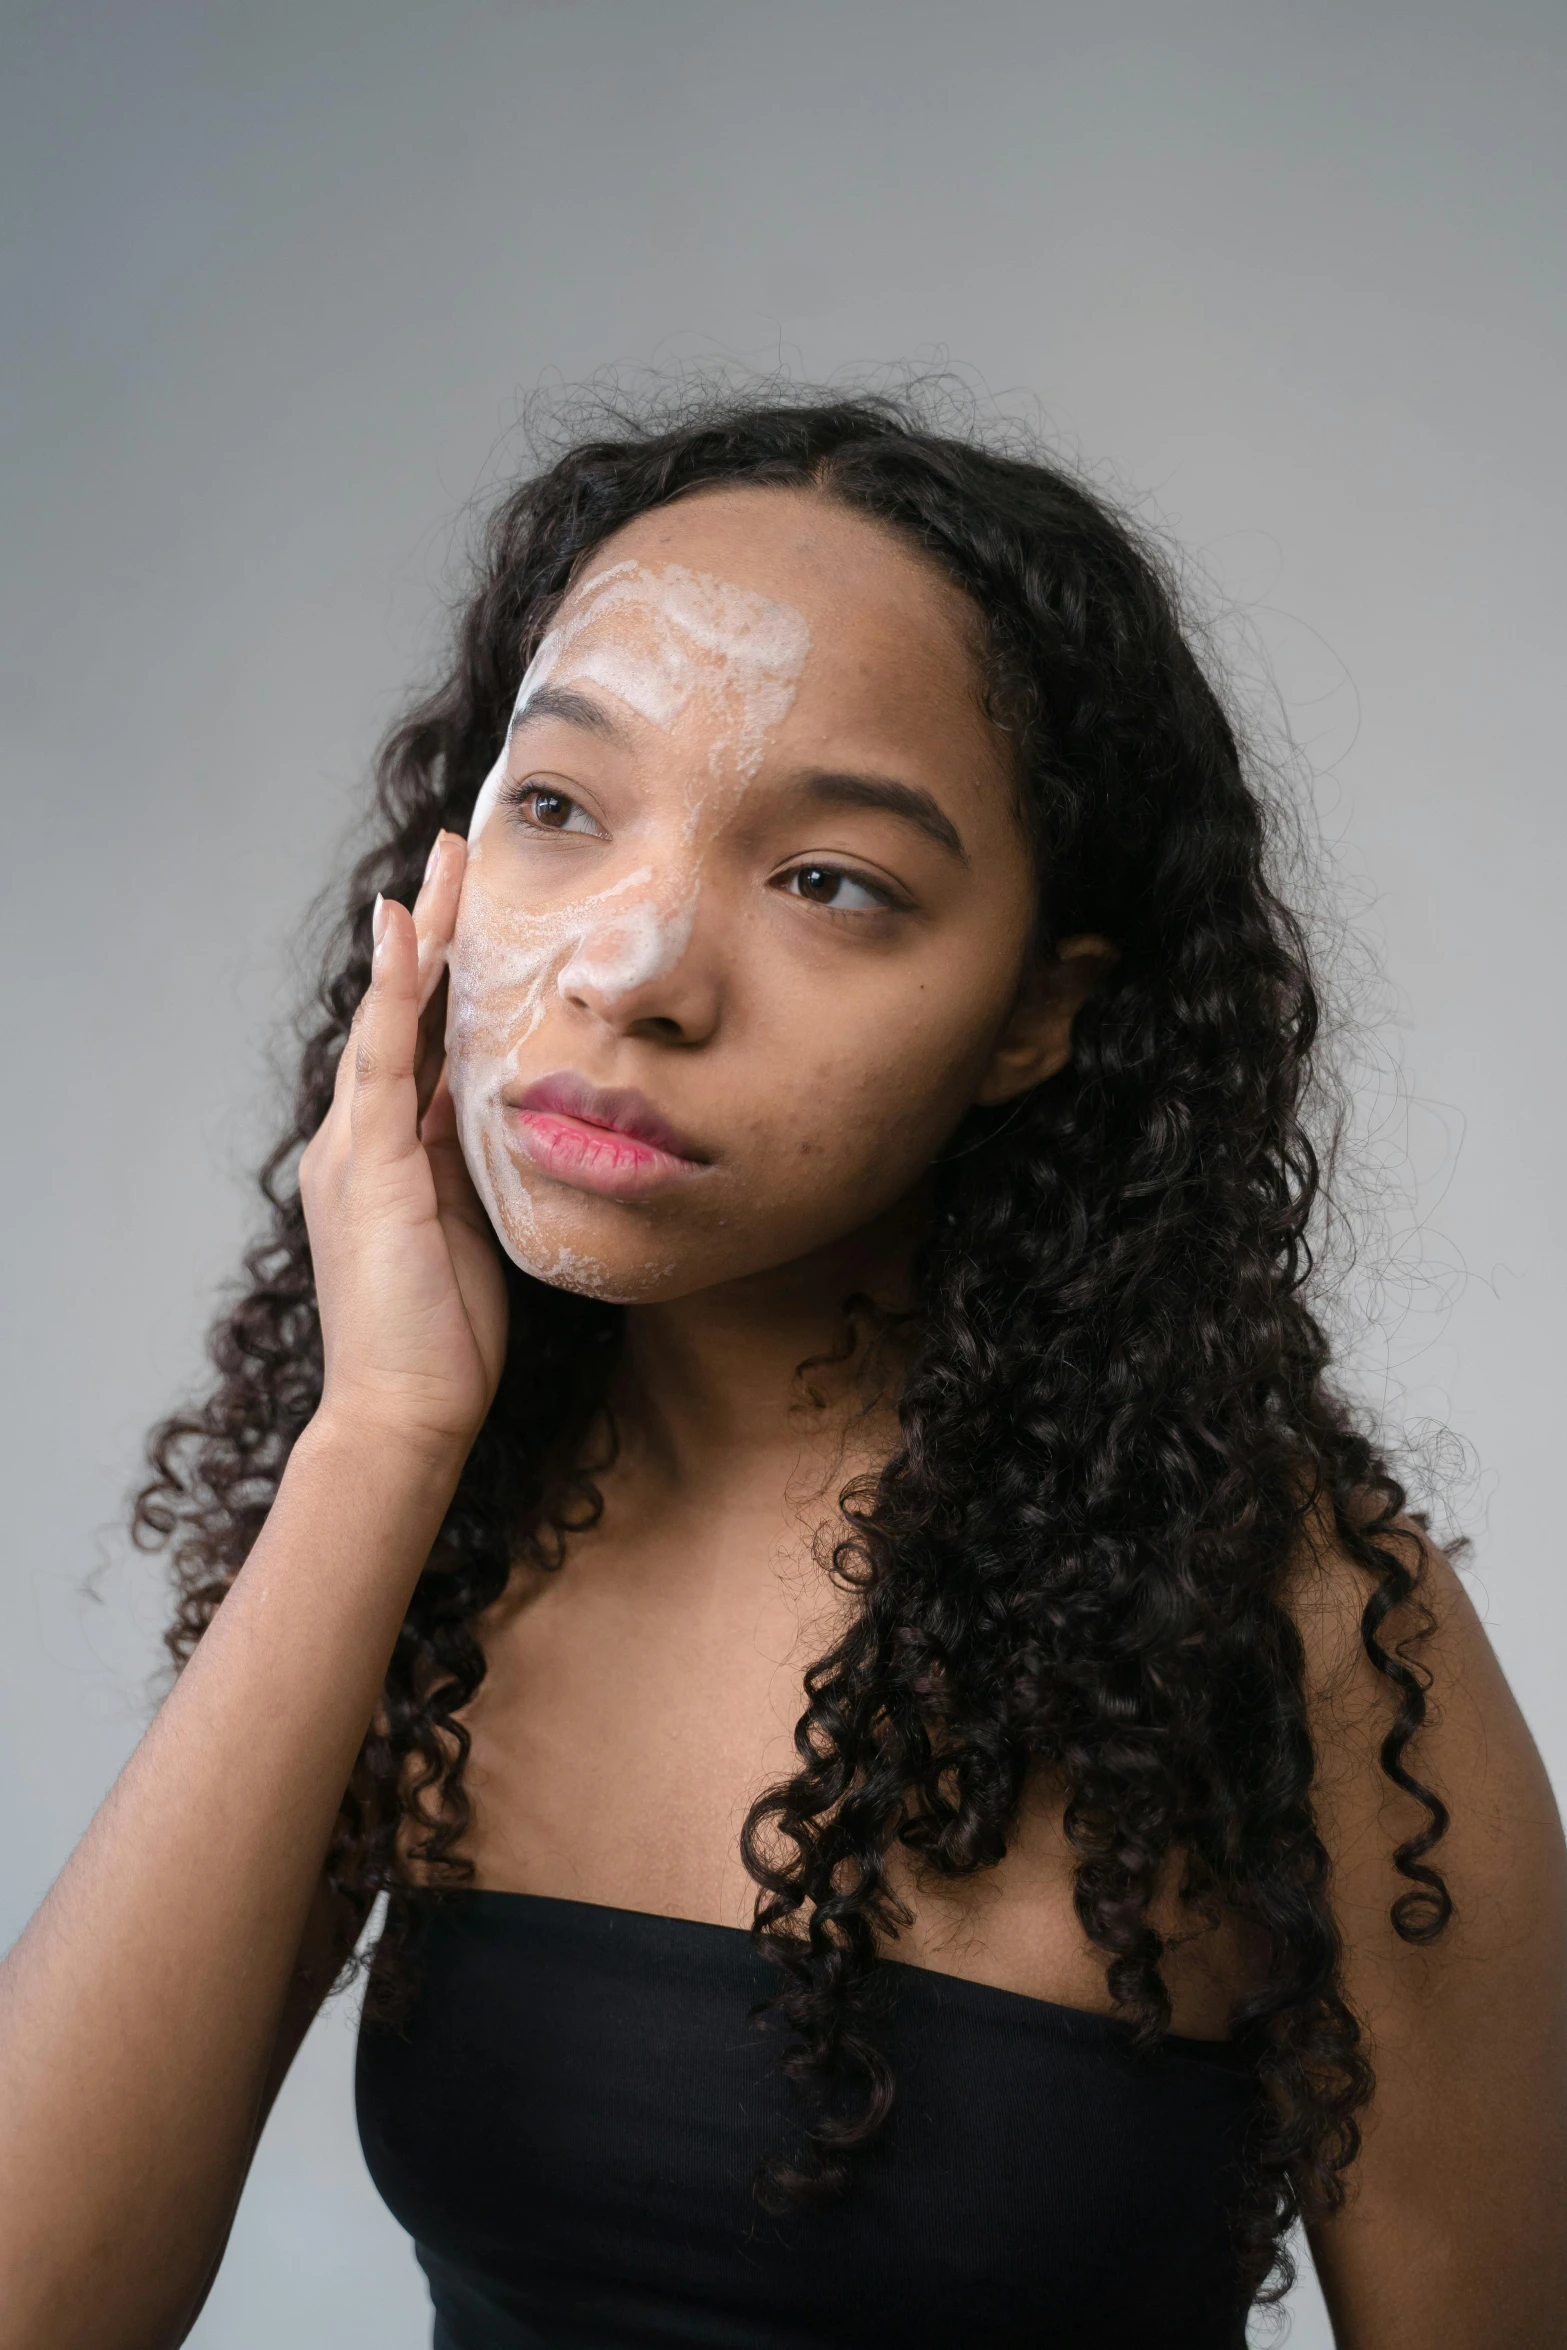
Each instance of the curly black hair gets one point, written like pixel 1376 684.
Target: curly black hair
pixel 1117 1428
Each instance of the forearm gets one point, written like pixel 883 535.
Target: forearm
pixel 139 2011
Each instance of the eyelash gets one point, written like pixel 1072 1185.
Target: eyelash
pixel 886 902
pixel 520 794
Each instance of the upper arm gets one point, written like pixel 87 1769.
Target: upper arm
pixel 332 1928
pixel 1453 2231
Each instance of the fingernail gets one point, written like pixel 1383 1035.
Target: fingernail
pixel 378 920
pixel 431 860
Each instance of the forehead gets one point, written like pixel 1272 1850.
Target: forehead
pixel 781 578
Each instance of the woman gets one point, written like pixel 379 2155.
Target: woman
pixel 875 1047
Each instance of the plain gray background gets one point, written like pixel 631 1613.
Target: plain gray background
pixel 277 278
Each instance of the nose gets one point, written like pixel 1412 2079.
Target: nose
pixel 643 970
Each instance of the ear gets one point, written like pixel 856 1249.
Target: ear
pixel 1037 1038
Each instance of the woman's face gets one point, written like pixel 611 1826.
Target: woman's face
pixel 747 905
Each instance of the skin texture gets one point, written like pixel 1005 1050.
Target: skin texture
pixel 819 1060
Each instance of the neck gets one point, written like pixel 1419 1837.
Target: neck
pixel 711 1386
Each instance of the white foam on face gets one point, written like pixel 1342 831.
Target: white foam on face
pixel 627 950
pixel 660 639
pixel 691 635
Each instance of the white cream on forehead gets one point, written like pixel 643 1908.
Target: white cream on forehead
pixel 692 639
pixel 741 652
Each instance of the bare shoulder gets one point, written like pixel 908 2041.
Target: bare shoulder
pixel 1453 2229
pixel 1502 1843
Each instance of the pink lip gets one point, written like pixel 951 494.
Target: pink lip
pixel 607 1139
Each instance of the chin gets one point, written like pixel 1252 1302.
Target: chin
pixel 565 1245
pixel 549 1249
pixel 613 1285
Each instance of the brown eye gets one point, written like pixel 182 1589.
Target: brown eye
pixel 542 806
pixel 830 885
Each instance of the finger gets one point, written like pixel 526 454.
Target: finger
pixel 385 1041
pixel 431 1058
pixel 439 1123
pixel 343 1074
pixel 454 1189
pixel 435 909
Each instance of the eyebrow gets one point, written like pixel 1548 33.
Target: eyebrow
pixel 906 800
pixel 829 788
pixel 574 708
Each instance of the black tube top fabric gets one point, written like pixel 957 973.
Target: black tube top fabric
pixel 569 2122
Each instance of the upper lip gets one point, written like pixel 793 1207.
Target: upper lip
pixel 619 1107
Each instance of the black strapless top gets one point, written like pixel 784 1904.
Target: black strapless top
pixel 570 2121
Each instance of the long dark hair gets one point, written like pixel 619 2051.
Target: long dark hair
pixel 1117 1432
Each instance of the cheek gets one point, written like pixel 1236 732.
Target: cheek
pixel 499 965
pixel 874 1102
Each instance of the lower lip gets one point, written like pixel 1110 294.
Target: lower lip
pixel 598 1158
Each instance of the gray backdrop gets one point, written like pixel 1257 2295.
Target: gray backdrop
pixel 277 276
